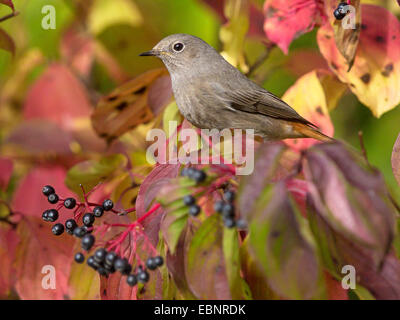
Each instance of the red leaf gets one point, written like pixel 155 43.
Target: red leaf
pixel 334 288
pixel 39 248
pixel 57 96
pixel 28 198
pixel 37 136
pixel 396 160
pixel 8 243
pixel 78 49
pixel 6 168
pixel 148 191
pixel 6 42
pixel 287 20
pixel 8 3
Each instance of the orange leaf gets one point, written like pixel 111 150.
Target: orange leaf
pixel 131 104
pixel 375 75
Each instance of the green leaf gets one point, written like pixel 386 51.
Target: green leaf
pixel 238 287
pixel 90 173
pixel 83 283
pixel 205 265
pixel 173 224
pixel 171 113
pixel 283 246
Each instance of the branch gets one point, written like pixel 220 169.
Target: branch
pixel 12 14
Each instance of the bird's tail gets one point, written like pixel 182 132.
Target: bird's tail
pixel 310 132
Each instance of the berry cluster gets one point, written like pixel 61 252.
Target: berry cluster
pixel 71 226
pixel 197 175
pixel 227 209
pixel 108 262
pixel 340 11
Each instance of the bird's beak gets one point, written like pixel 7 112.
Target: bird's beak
pixel 149 53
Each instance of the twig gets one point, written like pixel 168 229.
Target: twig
pixel 12 14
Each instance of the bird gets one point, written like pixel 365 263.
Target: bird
pixel 212 94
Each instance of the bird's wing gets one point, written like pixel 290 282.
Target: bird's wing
pixel 262 102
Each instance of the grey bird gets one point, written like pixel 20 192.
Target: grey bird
pixel 211 93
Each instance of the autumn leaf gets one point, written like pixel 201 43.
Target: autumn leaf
pixel 346 39
pixel 131 104
pixel 281 243
pixel 233 33
pixel 352 217
pixel 8 3
pixel 6 42
pixel 8 240
pixel 37 249
pixel 375 73
pixel 311 96
pixel 57 96
pixel 204 265
pixel 6 169
pixel 287 20
pixel 28 197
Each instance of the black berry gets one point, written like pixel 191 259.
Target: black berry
pixel 229 196
pixel 131 280
pixel 199 176
pixel 48 190
pixel 190 172
pixel 228 210
pixel 143 276
pixel 100 255
pixel 98 211
pixel 79 232
pixel 159 261
pixel 70 203
pixel 52 198
pixel 79 257
pixel 45 215
pixel 102 271
pixel 88 219
pixel 184 172
pixel 194 210
pixel 219 205
pixel 229 223
pixel 241 224
pixel 87 242
pixel 108 205
pixel 52 215
pixel 110 258
pixel 58 229
pixel 189 200
pixel 92 263
pixel 121 264
pixel 338 14
pixel 151 264
pixel 70 224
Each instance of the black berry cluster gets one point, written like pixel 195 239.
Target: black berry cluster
pixel 340 11
pixel 226 207
pixel 108 262
pixel 190 201
pixel 197 175
pixel 71 226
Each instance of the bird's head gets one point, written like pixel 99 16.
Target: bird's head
pixel 182 51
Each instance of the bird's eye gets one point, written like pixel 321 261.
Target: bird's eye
pixel 178 47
